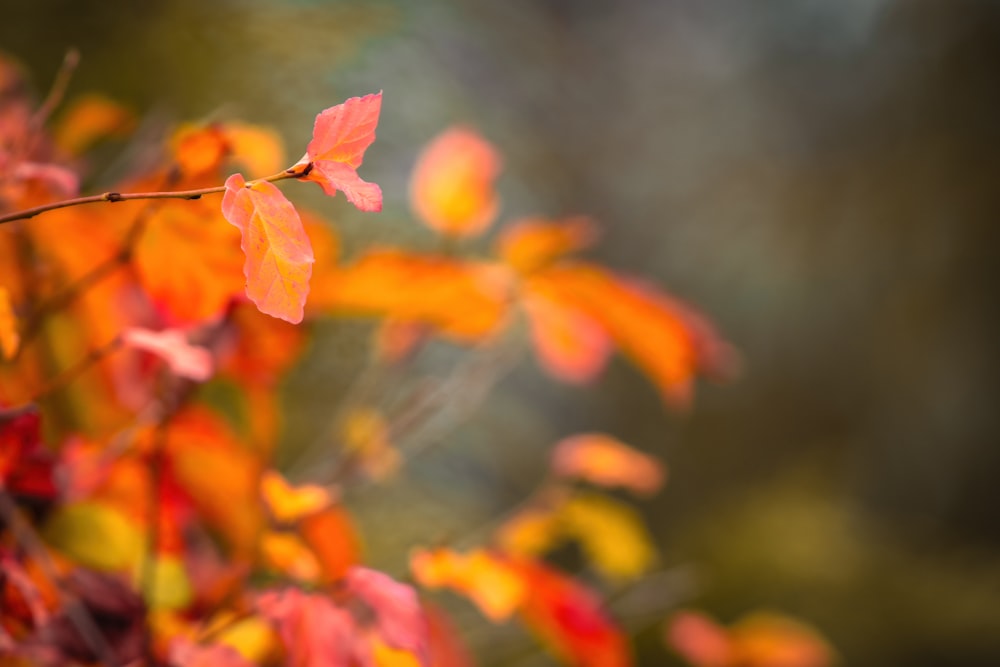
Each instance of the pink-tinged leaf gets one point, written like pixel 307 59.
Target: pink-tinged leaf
pixel 171 345
pixel 399 618
pixel 606 461
pixel 279 257
pixel 314 631
pixel 334 176
pixel 344 132
pixel 341 136
pixel 452 189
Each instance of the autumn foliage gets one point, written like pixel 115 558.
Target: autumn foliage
pixel 141 522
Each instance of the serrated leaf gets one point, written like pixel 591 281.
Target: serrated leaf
pixel 279 257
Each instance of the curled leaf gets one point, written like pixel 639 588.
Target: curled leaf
pixel 279 257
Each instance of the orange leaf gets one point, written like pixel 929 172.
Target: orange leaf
pixel 570 619
pixel 341 135
pixel 88 120
pixel 10 339
pixel 332 537
pixel 451 189
pixel 570 344
pixel 603 460
pixel 189 261
pixel 171 345
pixel 531 244
pixel 218 475
pixel 665 338
pixel 279 257
pixel 463 300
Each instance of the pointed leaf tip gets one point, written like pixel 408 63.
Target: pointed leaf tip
pixel 341 135
pixel 279 256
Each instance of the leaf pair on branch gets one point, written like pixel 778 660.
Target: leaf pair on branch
pixel 279 256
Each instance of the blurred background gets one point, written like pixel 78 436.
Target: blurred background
pixel 821 177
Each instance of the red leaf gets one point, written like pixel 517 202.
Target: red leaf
pixel 570 619
pixel 279 257
pixel 25 464
pixel 341 136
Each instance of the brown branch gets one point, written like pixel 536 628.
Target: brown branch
pixel 111 197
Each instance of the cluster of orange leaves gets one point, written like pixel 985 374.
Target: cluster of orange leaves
pixel 132 502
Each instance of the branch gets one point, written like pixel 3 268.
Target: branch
pixel 292 172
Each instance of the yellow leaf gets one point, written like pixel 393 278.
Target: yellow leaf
pixel 96 536
pixel 171 587
pixel 289 503
pixel 486 579
pixel 611 534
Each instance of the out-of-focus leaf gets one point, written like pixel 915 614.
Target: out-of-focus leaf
pixel 279 257
pixel 341 135
pixel 10 339
pixel 289 504
pixel 446 646
pixel 288 554
pixel 611 534
pixel 531 244
pixel 185 653
pixel 171 587
pixel 399 619
pixel 258 149
pixel 333 539
pixel 760 639
pixel 313 630
pixel 218 475
pixel 184 359
pixel 664 338
pixel 570 619
pixel 606 461
pixel 88 119
pixel 486 579
pixel 96 535
pixel 570 344
pixel 452 186
pixel 26 466
pixel 464 300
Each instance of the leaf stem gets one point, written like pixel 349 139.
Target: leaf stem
pixel 111 197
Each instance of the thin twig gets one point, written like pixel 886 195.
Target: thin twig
pixel 111 197
pixel 58 89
